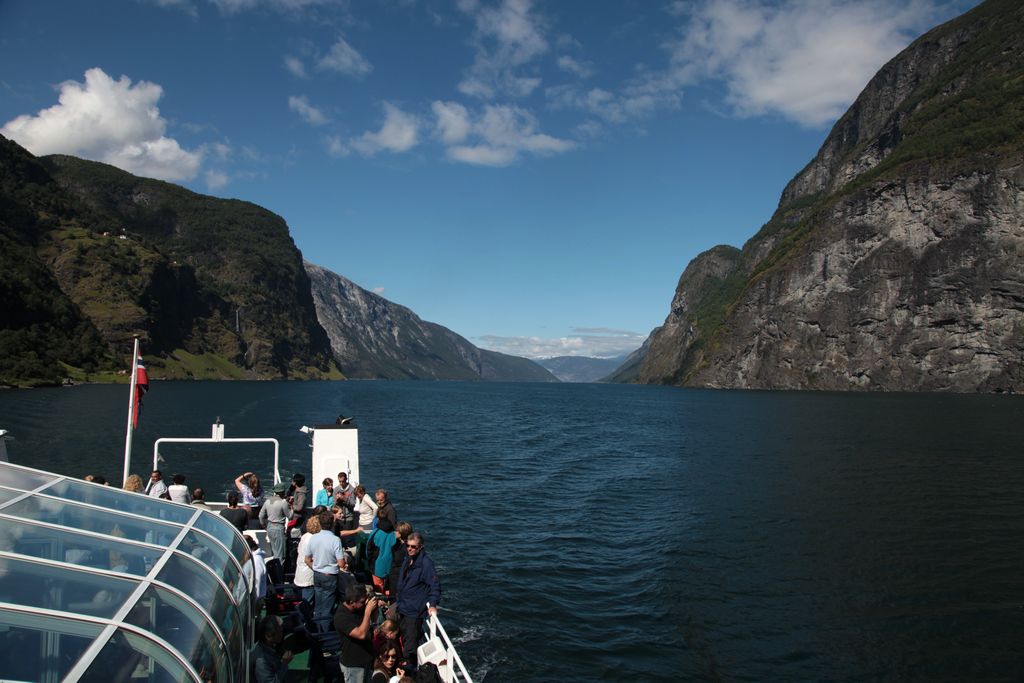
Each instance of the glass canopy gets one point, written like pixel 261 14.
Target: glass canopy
pixel 100 584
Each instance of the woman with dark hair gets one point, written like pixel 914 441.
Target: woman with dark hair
pixel 386 663
pixel 235 514
pixel 325 496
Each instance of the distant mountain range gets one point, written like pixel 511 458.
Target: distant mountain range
pixel 374 338
pixel 895 260
pixel 581 368
pixel 92 256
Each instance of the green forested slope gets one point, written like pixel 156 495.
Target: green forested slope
pixel 214 288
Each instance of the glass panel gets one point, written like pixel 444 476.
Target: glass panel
pixel 17 478
pixel 63 589
pixel 116 499
pixel 196 582
pixel 66 546
pixel 56 511
pixel 212 554
pixel 128 656
pixel 183 626
pixel 36 647
pixel 224 531
pixel 8 494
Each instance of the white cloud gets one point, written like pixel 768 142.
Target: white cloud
pixel 335 147
pixel 575 67
pixel 344 59
pixel 506 37
pixel 310 114
pixel 593 343
pixel 453 124
pixel 215 180
pixel 295 66
pixel 221 150
pixel 399 133
pixel 677 8
pixel 483 155
pixel 496 137
pixel 379 291
pixel 111 121
pixel 186 6
pixel 284 6
pixel 804 60
pixel 638 99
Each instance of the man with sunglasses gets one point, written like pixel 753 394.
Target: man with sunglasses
pixel 418 586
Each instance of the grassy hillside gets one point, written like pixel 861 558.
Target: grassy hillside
pixel 212 287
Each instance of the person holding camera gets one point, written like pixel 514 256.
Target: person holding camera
pixel 352 621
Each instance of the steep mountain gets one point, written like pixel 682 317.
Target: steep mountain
pixel 375 338
pixel 580 368
pixel 40 326
pixel 214 288
pixel 894 260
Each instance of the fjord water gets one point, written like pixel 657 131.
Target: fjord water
pixel 635 533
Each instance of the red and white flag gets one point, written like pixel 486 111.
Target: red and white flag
pixel 141 387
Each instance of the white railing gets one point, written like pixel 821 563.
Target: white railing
pixel 217 436
pixel 452 670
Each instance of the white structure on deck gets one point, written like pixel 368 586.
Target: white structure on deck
pixel 335 449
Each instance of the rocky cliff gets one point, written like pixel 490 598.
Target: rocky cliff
pixel 375 338
pixel 894 260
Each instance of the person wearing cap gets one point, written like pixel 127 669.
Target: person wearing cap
pixel 274 514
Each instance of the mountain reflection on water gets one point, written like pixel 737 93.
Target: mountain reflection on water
pixel 590 532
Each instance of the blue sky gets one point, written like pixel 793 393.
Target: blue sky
pixel 533 175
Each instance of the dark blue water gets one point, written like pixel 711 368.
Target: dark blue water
pixel 623 533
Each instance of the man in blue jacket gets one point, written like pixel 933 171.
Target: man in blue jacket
pixel 418 585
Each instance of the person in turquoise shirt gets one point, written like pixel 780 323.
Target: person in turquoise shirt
pixel 325 496
pixel 383 541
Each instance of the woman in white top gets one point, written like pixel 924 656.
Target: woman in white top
pixel 178 492
pixel 303 573
pixel 366 508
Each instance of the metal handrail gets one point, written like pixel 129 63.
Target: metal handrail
pixel 455 671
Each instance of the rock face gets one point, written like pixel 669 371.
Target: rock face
pixel 895 260
pixel 375 338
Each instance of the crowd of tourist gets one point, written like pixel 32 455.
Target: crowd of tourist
pixel 348 555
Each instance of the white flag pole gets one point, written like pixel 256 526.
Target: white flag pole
pixel 131 414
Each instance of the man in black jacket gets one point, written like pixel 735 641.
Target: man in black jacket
pixel 418 586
